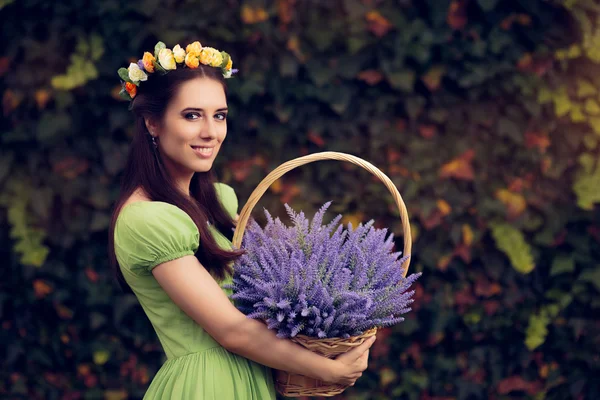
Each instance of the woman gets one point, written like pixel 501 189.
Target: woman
pixel 170 239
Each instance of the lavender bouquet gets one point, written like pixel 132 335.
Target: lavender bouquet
pixel 308 279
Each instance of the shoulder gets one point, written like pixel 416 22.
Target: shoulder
pixel 227 197
pixel 149 232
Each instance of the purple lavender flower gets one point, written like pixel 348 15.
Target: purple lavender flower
pixel 321 281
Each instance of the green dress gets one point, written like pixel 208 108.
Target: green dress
pixel 197 367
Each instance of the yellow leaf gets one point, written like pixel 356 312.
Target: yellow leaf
pixel 444 261
pixel 252 15
pixel 585 88
pixel 42 96
pixel 591 107
pixel 577 115
pixel 387 376
pixel 276 186
pixel 459 169
pixel 354 219
pixel 595 124
pixel 514 202
pixel 115 395
pixel 562 104
pixel 544 95
pixel 467 234
pixel 444 207
pixel 101 357
pixel 433 77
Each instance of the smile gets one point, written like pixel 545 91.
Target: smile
pixel 203 152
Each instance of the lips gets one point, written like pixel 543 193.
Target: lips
pixel 203 151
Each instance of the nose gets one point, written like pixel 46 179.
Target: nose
pixel 209 129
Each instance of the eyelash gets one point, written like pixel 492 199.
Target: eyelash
pixel 187 116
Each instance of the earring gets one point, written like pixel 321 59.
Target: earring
pixel 154 142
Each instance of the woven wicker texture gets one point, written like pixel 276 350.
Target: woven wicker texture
pixel 294 385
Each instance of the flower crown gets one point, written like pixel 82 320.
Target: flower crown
pixel 165 60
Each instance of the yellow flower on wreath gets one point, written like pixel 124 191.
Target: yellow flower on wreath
pixel 211 56
pixel 194 48
pixel 192 61
pixel 179 54
pixel 147 61
pixel 166 59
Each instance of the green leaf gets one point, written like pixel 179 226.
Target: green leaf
pixel 226 58
pixel 6 161
pixel 158 68
pixel 158 47
pixel 96 47
pixel 124 74
pixel 586 188
pixel 509 128
pixel 51 125
pixel 512 242
pixel 487 5
pixel 403 80
pixel 4 3
pixel 124 95
pixel 561 265
pixel 592 276
pixel 537 330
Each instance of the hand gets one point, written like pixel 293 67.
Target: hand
pixel 350 365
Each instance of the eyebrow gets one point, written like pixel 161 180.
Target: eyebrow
pixel 200 109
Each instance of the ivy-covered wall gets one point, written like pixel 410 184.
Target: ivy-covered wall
pixel 485 113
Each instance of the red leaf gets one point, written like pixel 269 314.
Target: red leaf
pixel 485 288
pixel 464 252
pixel 464 298
pixel 71 167
pixel 377 23
pixel 371 76
pixel 433 220
pixel 427 131
pixel 285 8
pixel 516 383
pixel 4 64
pixel 91 275
pixel 460 167
pixel 491 306
pixel 316 139
pixel 536 139
pixel 457 14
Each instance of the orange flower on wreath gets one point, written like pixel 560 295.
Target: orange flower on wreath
pixel 131 89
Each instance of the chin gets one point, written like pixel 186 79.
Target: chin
pixel 203 167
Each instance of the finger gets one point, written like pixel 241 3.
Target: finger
pixel 360 350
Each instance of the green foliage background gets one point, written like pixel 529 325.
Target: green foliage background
pixel 485 113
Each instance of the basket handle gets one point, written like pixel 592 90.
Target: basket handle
pixel 326 155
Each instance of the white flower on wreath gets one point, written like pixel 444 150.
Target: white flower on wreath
pixel 135 73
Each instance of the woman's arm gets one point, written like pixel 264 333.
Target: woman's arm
pixel 195 291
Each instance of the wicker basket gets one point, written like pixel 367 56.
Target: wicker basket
pixel 294 385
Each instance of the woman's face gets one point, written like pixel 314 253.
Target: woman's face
pixel 193 127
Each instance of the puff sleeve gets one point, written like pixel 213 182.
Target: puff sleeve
pixel 228 198
pixel 149 233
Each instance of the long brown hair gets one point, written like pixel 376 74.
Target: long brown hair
pixel 145 169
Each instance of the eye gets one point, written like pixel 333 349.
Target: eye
pixel 192 115
pixel 221 116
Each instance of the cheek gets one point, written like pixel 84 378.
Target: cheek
pixel 222 133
